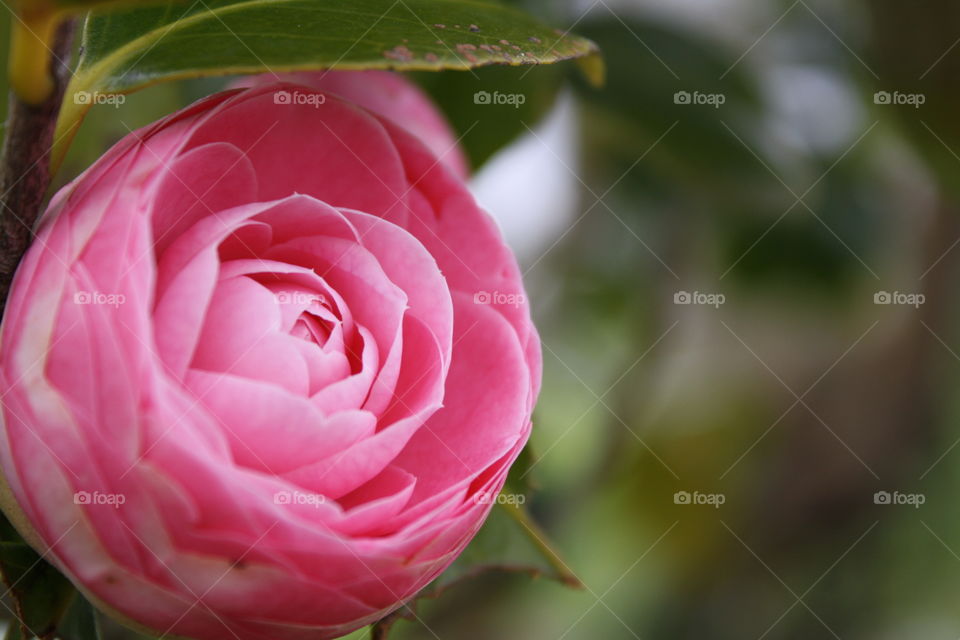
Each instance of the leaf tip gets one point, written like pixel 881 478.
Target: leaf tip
pixel 593 68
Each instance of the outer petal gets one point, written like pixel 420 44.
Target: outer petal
pixel 389 95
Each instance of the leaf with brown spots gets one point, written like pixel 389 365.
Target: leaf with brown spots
pixel 130 48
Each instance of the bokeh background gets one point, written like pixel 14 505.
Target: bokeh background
pixel 712 469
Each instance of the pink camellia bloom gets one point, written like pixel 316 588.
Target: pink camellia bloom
pixel 389 95
pixel 262 371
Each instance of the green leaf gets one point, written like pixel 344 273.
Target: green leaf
pixel 128 49
pixel 629 115
pixel 484 129
pixel 80 621
pixel 908 56
pixel 31 7
pixel 42 595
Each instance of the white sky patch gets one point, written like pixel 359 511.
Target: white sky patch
pixel 529 187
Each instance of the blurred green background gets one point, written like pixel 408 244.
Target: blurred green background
pixel 792 192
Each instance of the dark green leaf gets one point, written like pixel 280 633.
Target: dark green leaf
pixel 648 66
pixel 80 621
pixel 130 48
pixel 30 6
pixel 910 56
pixel 486 128
pixel 41 593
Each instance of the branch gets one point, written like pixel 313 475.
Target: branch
pixel 25 162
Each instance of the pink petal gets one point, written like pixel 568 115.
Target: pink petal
pixel 272 430
pixel 333 139
pixel 484 408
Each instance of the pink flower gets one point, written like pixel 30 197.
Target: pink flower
pixel 262 369
pixel 389 95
